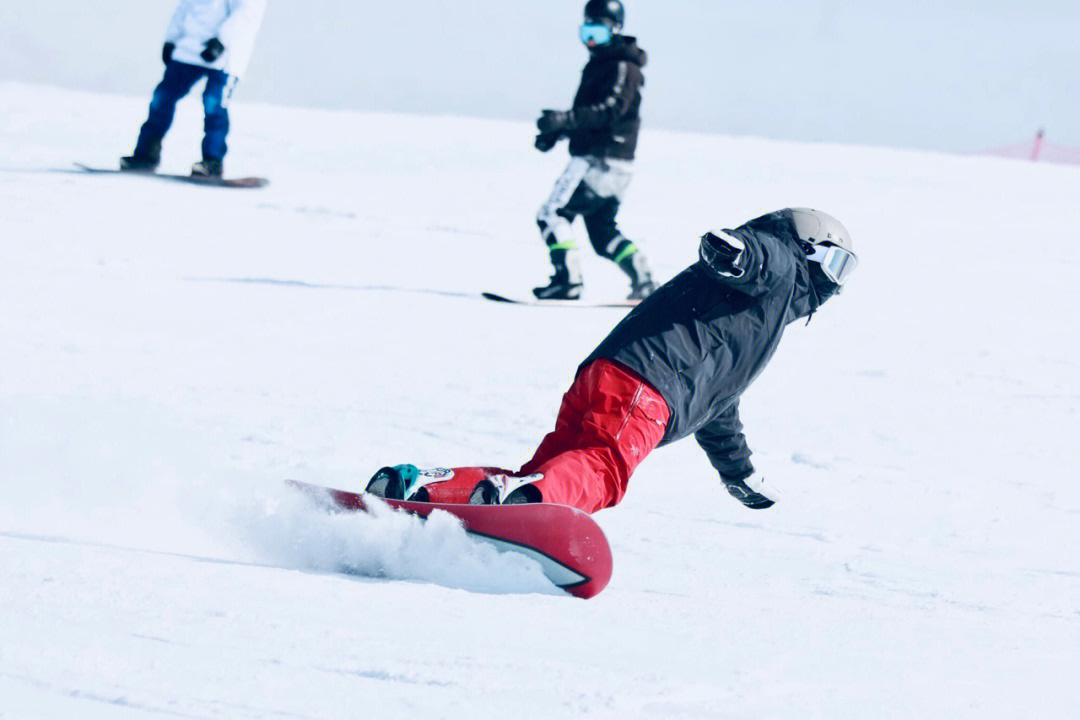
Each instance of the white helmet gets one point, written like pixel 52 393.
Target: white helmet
pixel 827 243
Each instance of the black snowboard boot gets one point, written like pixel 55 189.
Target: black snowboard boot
pixel 558 289
pixel 207 167
pixel 637 269
pixel 143 163
pixel 566 281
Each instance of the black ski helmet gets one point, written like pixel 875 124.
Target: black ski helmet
pixel 605 12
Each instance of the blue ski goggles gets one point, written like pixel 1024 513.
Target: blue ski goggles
pixel 836 263
pixel 597 33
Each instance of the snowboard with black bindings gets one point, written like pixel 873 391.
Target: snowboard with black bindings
pixel 495 297
pixel 244 182
pixel 568 544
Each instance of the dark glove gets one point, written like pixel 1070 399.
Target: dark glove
pixel 213 50
pixel 724 253
pixel 546 142
pixel 166 52
pixel 555 122
pixel 752 491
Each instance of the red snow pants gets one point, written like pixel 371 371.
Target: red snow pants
pixel 610 419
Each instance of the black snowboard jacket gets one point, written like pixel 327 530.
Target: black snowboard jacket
pixel 606 112
pixel 702 338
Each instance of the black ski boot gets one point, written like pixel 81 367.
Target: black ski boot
pixel 637 269
pixel 143 163
pixel 566 281
pixel 207 167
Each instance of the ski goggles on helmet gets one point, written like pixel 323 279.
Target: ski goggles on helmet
pixel 596 32
pixel 836 263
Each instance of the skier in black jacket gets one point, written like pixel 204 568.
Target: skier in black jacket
pixel 675 366
pixel 602 127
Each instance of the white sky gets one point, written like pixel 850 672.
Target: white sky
pixel 959 75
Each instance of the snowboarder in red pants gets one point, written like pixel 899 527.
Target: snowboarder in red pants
pixel 609 421
pixel 675 366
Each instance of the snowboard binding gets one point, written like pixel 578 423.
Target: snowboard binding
pixel 506 490
pixel 400 482
pixel 406 482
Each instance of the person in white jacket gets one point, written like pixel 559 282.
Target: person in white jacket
pixel 206 38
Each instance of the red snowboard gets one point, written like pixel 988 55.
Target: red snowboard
pixel 568 544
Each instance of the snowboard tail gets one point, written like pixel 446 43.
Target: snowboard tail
pixel 568 544
pixel 244 182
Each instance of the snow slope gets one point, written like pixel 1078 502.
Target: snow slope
pixel 170 353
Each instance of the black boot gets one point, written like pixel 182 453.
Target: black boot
pixel 637 269
pixel 208 167
pixel 147 162
pixel 560 288
pixel 566 281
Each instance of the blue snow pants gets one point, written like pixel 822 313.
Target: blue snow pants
pixel 178 81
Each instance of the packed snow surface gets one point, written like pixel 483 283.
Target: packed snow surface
pixel 170 353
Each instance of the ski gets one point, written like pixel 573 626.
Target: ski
pixel 244 182
pixel 495 297
pixel 568 544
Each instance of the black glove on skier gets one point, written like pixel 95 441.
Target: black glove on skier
pixel 724 253
pixel 752 491
pixel 213 50
pixel 166 52
pixel 546 142
pixel 555 122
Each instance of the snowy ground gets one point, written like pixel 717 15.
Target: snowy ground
pixel 170 353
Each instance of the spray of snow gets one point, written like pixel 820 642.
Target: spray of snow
pixel 290 529
pixel 123 476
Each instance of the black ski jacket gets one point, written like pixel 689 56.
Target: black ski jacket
pixel 702 338
pixel 606 112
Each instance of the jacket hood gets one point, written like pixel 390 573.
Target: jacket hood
pixel 804 300
pixel 621 47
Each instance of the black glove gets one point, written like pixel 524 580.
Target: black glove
pixel 752 491
pixel 166 52
pixel 546 142
pixel 213 50
pixel 724 253
pixel 555 122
